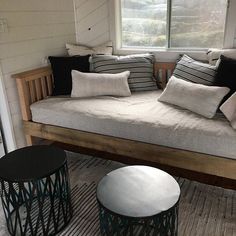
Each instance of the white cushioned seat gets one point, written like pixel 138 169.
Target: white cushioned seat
pixel 140 117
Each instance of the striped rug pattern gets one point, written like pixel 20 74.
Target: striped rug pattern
pixel 203 211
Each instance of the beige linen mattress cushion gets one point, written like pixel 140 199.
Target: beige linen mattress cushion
pixel 140 117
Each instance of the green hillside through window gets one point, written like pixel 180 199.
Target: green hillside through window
pixel 193 23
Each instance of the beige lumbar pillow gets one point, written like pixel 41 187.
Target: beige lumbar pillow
pixel 82 50
pixel 229 110
pixel 214 54
pixel 201 99
pixel 94 84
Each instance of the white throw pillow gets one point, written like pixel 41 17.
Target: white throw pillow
pixel 229 109
pixel 81 50
pixel 214 54
pixel 94 84
pixel 201 99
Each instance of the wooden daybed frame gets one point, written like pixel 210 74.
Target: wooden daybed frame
pixel 35 85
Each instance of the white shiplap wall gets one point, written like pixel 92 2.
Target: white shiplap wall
pixel 94 14
pixel 92 21
pixel 235 39
pixel 36 29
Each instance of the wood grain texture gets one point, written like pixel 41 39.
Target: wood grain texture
pixel 44 87
pixel 29 140
pixel 162 71
pixel 33 85
pixel 175 171
pixel 32 91
pixel 199 162
pixel 31 73
pixel 24 98
pixel 49 80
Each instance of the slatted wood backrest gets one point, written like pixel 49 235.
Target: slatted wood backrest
pixel 163 71
pixel 33 86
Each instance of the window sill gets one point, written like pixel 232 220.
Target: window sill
pixel 165 55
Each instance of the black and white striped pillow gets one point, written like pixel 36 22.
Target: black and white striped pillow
pixel 140 67
pixel 195 71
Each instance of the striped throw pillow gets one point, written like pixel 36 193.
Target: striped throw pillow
pixel 140 67
pixel 195 71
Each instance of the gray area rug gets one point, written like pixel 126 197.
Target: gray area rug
pixel 203 211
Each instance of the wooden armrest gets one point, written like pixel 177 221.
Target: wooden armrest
pixel 33 85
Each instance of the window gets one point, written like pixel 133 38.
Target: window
pixel 173 23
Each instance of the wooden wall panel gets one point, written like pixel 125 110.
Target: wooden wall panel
pixel 36 5
pixel 92 21
pixel 36 29
pixel 89 11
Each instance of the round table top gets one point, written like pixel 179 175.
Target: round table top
pixel 138 191
pixel 31 163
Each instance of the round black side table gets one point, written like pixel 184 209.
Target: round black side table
pixel 138 200
pixel 35 190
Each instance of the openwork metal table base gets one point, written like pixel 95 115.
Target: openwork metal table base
pixel 163 224
pixel 40 207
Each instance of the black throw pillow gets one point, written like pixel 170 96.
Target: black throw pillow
pixel 226 75
pixel 62 67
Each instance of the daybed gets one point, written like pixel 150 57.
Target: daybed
pixel 138 126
